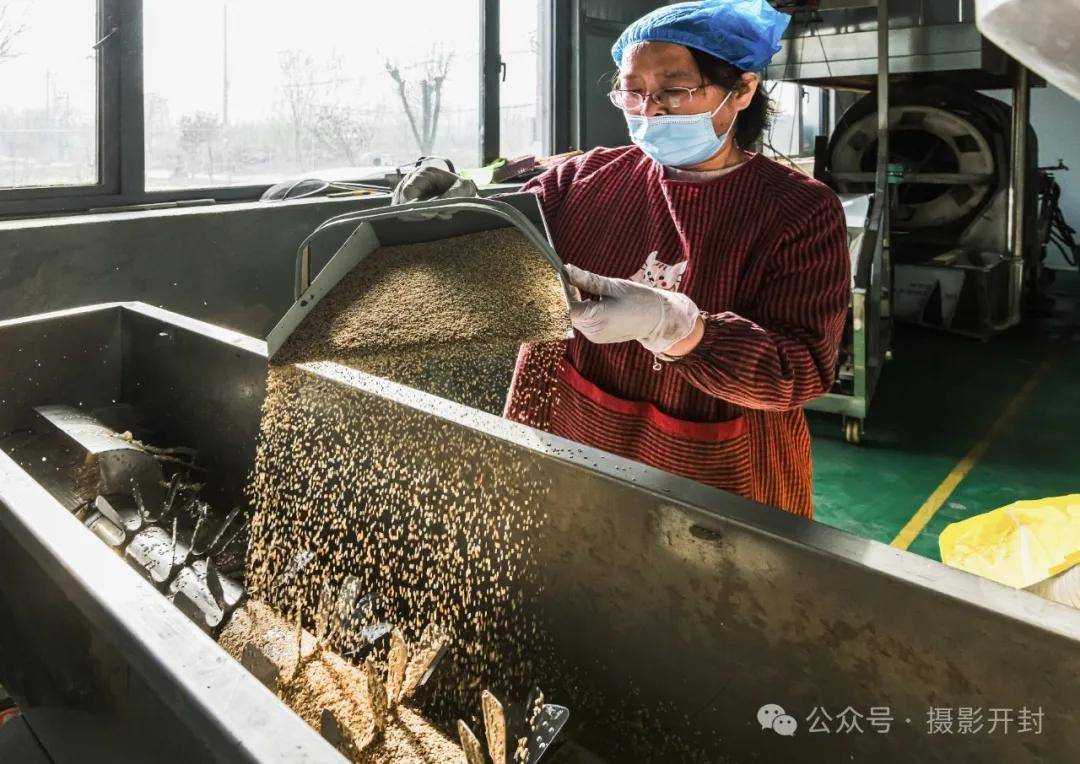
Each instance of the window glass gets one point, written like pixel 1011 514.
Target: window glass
pixel 48 96
pixel 248 92
pixel 797 121
pixel 522 43
pixel 782 138
pixel 811 119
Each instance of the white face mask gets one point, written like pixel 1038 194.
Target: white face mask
pixel 678 140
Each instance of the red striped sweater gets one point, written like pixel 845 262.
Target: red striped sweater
pixel 763 252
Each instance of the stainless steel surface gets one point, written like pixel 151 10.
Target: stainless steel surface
pixel 1040 34
pixel 162 351
pixel 193 591
pixel 157 555
pixel 88 432
pixel 757 606
pixel 126 518
pixel 105 669
pixel 1018 180
pixel 360 244
pixel 18 744
pixel 105 529
pixel 230 264
pixel 118 463
pixel 90 343
pixel 407 224
pixel 836 46
pixel 849 56
pixel 134 514
pixel 881 187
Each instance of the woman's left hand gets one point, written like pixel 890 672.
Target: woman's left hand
pixel 625 310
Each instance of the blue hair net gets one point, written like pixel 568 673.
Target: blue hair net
pixel 745 33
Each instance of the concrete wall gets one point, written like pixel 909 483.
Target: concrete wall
pixel 1056 119
pixel 231 265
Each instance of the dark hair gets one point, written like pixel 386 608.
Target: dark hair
pixel 754 120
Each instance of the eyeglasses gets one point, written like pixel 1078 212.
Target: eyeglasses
pixel 668 98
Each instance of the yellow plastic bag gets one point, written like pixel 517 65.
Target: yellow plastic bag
pixel 1018 545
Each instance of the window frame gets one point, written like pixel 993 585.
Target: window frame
pixel 121 137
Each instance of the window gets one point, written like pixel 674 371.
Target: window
pixel 247 92
pixel 125 102
pixel 523 110
pixel 810 119
pixel 783 136
pixel 48 93
pixel 801 115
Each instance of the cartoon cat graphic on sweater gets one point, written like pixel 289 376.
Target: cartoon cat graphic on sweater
pixel 659 274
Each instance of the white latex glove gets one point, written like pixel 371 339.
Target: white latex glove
pixel 628 311
pixel 428 182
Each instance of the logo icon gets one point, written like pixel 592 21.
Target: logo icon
pixel 773 717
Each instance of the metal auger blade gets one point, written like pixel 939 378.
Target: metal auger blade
pixel 217 544
pixel 172 551
pixel 195 536
pixel 170 499
pixel 213 583
pixel 359 626
pixel 396 662
pixel 474 752
pixel 549 723
pixel 494 726
pixel 300 560
pixel 324 614
pixel 105 507
pixel 140 503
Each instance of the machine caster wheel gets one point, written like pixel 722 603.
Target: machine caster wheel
pixel 853 429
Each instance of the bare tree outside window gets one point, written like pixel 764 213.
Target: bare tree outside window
pixel 320 100
pixel 299 72
pixel 10 31
pixel 297 87
pixel 422 96
pixel 196 131
pixel 48 101
pixel 337 126
pixel 340 131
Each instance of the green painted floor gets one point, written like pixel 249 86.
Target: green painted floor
pixel 936 400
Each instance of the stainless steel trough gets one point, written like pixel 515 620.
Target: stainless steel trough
pixel 694 604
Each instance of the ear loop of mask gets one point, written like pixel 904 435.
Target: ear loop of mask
pixel 722 104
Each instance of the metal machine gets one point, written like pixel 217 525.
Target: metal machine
pixel 954 170
pixel 1039 33
pixel 677 606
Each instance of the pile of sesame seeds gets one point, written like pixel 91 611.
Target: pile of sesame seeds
pixel 446 316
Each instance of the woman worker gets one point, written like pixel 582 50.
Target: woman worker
pixel 714 282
